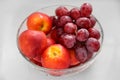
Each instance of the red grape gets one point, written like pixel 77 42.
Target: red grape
pixel 64 19
pixel 92 45
pixel 61 11
pixel 83 22
pixel 86 10
pixel 94 33
pixel 89 55
pixel 53 34
pixel 70 28
pixel 53 18
pixel 75 13
pixel 81 53
pixel 93 20
pixel 82 34
pixel 68 40
pixel 60 31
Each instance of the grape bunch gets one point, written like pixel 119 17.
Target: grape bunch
pixel 75 30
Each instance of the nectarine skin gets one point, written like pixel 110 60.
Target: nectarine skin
pixel 35 62
pixel 74 60
pixel 31 43
pixel 50 42
pixel 39 21
pixel 55 57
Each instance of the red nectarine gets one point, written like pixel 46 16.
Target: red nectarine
pixel 74 60
pixel 55 57
pixel 50 42
pixel 39 21
pixel 31 43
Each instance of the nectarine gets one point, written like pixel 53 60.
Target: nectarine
pixel 55 57
pixel 39 21
pixel 31 43
pixel 74 60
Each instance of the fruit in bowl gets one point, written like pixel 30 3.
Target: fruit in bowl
pixel 61 39
pixel 32 42
pixel 39 21
pixel 56 57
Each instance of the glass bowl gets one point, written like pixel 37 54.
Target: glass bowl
pixel 50 10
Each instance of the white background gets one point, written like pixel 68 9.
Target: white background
pixel 14 67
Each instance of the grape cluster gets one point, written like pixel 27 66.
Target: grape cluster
pixel 75 30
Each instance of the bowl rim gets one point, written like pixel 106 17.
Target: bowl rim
pixel 67 69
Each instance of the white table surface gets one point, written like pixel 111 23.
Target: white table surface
pixel 14 67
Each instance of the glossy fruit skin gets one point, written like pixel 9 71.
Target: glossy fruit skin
pixel 83 22
pixel 92 45
pixel 75 13
pixel 68 40
pixel 70 28
pixel 32 43
pixel 56 57
pixel 39 21
pixel 35 61
pixel 56 33
pixel 60 31
pixel 92 20
pixel 54 20
pixel 81 53
pixel 82 34
pixel 63 20
pixel 61 11
pixel 89 55
pixel 86 9
pixel 73 57
pixel 94 33
pixel 53 34
pixel 50 42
